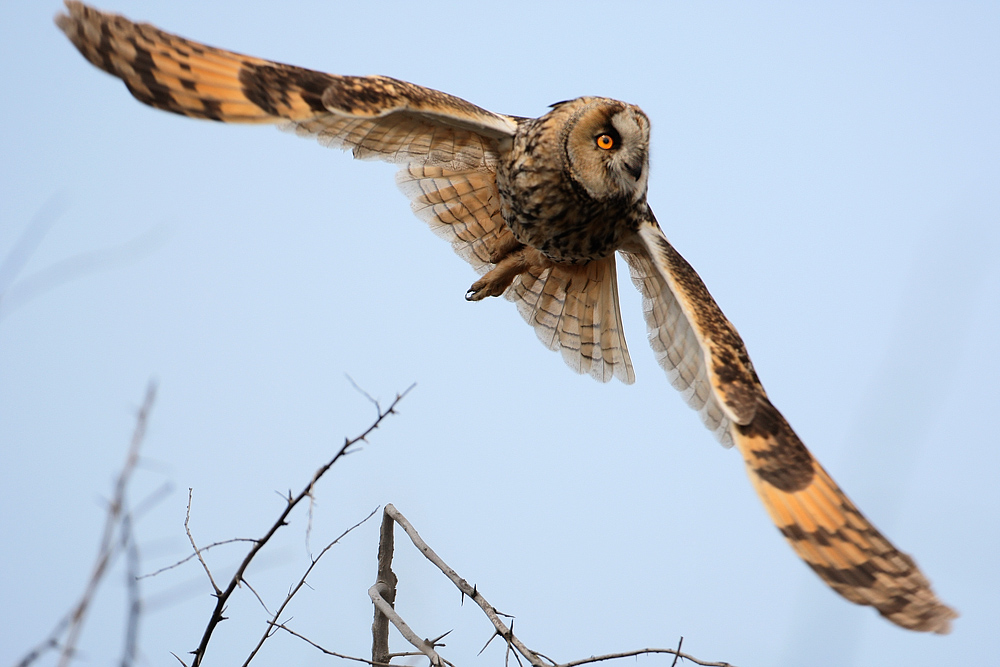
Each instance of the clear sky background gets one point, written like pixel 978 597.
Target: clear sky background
pixel 832 173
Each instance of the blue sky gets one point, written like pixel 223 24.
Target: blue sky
pixel 830 172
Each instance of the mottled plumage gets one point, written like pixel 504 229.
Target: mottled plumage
pixel 539 207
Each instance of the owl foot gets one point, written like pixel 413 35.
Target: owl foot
pixel 502 275
pixel 503 245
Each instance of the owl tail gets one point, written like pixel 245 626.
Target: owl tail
pixel 828 532
pixel 574 309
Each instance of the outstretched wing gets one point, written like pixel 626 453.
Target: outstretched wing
pixel 447 147
pixel 376 116
pixel 706 359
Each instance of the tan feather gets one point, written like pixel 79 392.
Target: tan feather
pixel 394 119
pixel 575 309
pixel 820 522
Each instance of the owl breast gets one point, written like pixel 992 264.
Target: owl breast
pixel 544 205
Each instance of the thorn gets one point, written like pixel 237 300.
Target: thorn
pixel 488 642
pixel 677 654
pixel 434 642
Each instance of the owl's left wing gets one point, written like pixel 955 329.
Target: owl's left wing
pixel 375 116
pixel 705 358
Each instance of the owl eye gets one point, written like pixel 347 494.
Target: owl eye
pixel 605 141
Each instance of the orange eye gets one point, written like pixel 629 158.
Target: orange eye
pixel 606 142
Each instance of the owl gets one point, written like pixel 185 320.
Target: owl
pixel 539 207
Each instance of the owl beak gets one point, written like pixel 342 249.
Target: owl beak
pixel 634 168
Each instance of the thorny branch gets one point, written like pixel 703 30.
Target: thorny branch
pixel 383 596
pixel 223 597
pixel 273 623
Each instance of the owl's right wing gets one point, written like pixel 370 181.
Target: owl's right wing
pixel 705 358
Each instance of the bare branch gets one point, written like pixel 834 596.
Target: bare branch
pixel 644 651
pixel 117 535
pixel 135 599
pixel 333 653
pixel 386 609
pixel 467 590
pixel 196 555
pixel 386 580
pixel 108 548
pixel 197 551
pixel 223 597
pixel 514 646
pixel 302 582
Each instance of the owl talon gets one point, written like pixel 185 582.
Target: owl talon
pixel 502 275
pixel 489 285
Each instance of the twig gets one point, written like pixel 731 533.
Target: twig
pixel 328 651
pixel 288 598
pixel 246 583
pixel 195 555
pixel 677 656
pixel 197 551
pixel 223 597
pixel 135 599
pixel 107 548
pixel 644 651
pixel 15 294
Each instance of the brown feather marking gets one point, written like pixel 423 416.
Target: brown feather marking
pixel 732 372
pixel 828 532
pixel 563 303
pixel 140 54
pixel 774 451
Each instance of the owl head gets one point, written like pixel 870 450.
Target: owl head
pixel 607 148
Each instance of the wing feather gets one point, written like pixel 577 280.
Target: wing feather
pixel 574 309
pixel 676 346
pixel 702 352
pixel 376 116
pixel 461 207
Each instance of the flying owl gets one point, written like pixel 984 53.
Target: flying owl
pixel 539 207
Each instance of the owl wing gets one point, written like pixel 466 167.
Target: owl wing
pixel 376 116
pixel 706 359
pixel 447 147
